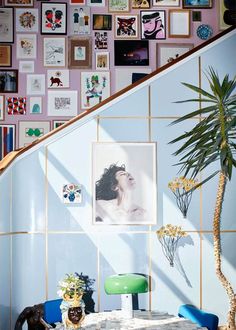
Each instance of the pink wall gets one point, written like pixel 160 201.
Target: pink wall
pixel 209 16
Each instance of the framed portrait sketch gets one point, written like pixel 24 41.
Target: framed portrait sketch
pixel 197 4
pixel 5 55
pixel 26 46
pixel 36 84
pixel 53 18
pixel 7 25
pixel 62 103
pixel 131 52
pixel 137 4
pixel 8 81
pixel 153 24
pixel 95 88
pixel 179 23
pixel 29 131
pixel 19 3
pixel 166 3
pixel 54 52
pixel 126 26
pixel 80 53
pixel 16 105
pixel 102 60
pixel 79 20
pixel 124 184
pixel 27 20
pixel 2 107
pixel 167 53
pixel 102 22
pixel 118 6
pixel 7 132
pixel 58 79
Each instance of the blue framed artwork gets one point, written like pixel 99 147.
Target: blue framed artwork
pixel 7 139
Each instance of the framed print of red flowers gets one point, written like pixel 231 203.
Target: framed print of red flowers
pixel 53 19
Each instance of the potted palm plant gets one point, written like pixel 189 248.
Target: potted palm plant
pixel 213 139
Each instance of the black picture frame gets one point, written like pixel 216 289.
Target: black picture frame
pixel 196 16
pixel 131 52
pixel 8 81
pixel 55 9
pixel 201 4
pixel 7 14
pixel 102 22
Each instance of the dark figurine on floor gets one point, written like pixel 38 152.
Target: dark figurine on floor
pixel 32 315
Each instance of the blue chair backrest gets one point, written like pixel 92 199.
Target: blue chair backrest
pixel 52 312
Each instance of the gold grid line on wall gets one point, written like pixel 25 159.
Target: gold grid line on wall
pixel 46 223
pixel 11 282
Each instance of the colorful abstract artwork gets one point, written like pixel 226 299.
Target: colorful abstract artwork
pixel 29 131
pixel 16 105
pixel 7 139
pixel 27 20
pixel 72 193
pixel 53 18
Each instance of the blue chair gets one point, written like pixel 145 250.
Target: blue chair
pixel 51 313
pixel 203 319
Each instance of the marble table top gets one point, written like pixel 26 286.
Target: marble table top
pixel 142 320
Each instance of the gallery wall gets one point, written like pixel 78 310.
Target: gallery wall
pixel 116 77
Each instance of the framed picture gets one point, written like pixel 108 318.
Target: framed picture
pixel 179 23
pixel 2 107
pixel 77 2
pixel 102 22
pixel 102 61
pixel 124 184
pixel 72 193
pixel 166 3
pixel 7 25
pixel 27 20
pixel 29 131
pixel 126 26
pixel 58 79
pixel 58 123
pixel 221 10
pixel 62 103
pixel 16 105
pixel 26 46
pixel 5 55
pixel 19 3
pixel 36 105
pixel 8 81
pixel 96 3
pixel 54 52
pixel 79 20
pixel 196 16
pixel 36 84
pixel 167 53
pixel 131 52
pixel 143 4
pixel 53 18
pixel 80 53
pixel 100 40
pixel 7 133
pixel 124 76
pixel 153 24
pixel 197 4
pixel 26 66
pixel 118 6
pixel 95 87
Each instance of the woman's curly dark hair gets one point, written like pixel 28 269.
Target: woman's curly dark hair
pixel 105 186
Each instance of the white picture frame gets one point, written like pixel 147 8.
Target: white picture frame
pixel 26 66
pixel 123 77
pixel 132 180
pixel 168 52
pixel 35 105
pixel 26 46
pixel 29 131
pixel 56 23
pixel 7 20
pixel 2 107
pixel 102 61
pixel 58 79
pixel 166 3
pixel 80 20
pixel 27 20
pixel 54 52
pixel 35 84
pixel 131 30
pixel 62 103
pixel 179 23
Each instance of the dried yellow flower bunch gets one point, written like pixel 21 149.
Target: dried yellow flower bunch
pixel 182 183
pixel 172 231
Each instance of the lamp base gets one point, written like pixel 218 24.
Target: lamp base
pixel 127 306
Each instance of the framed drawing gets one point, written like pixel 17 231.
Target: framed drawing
pixel 35 105
pixel 125 76
pixel 166 3
pixel 5 55
pixel 58 123
pixel 102 61
pixel 8 81
pixel 16 105
pixel 96 3
pixel 26 66
pixel 196 16
pixel 27 20
pixel 100 40
pixel 7 25
pixel 29 131
pixel 131 52
pixel 126 26
pixel 19 3
pixel 36 84
pixel 143 4
pixel 95 88
pixel 80 53
pixel 179 23
pixel 79 20
pixel 167 53
pixel 2 107
pixel 197 4
pixel 118 6
pixel 62 103
pixel 121 177
pixel 54 52
pixel 53 18
pixel 7 133
pixel 26 46
pixel 58 79
pixel 102 22
pixel 72 193
pixel 153 24
pixel 77 2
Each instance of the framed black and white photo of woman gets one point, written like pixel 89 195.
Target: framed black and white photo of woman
pixel 124 184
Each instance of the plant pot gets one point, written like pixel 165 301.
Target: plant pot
pixel 72 310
